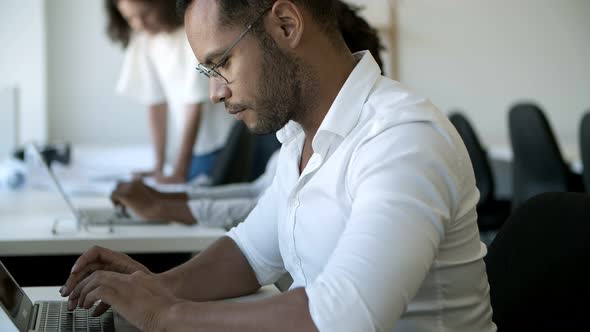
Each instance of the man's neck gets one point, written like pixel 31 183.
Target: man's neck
pixel 333 67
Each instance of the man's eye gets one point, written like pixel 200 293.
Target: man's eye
pixel 224 63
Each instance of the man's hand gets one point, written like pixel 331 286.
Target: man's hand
pixel 97 259
pixel 143 200
pixel 139 297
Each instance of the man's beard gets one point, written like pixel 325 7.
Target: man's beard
pixel 284 89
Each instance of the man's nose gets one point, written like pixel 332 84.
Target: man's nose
pixel 218 90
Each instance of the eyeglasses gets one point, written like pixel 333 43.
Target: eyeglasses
pixel 212 72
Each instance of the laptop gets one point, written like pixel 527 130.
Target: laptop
pixel 49 315
pixel 93 216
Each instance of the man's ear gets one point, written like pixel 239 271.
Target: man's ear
pixel 286 24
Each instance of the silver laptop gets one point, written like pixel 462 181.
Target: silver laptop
pixel 93 216
pixel 47 315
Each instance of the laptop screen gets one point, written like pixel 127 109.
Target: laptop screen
pixel 55 180
pixel 13 300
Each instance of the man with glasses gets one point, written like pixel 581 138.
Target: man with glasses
pixel 371 211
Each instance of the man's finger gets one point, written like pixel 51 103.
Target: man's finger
pixel 100 309
pixel 74 299
pixel 115 199
pixel 106 294
pixel 97 279
pixel 74 279
pixel 108 287
pixel 120 194
pixel 94 254
pixel 75 293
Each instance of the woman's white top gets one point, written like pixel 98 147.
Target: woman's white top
pixel 161 69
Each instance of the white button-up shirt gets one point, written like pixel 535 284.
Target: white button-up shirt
pixel 380 228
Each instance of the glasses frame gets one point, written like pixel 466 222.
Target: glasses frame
pixel 212 72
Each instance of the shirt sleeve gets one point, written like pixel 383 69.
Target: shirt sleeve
pixel 401 201
pixel 257 238
pixel 138 79
pixel 226 191
pixel 225 213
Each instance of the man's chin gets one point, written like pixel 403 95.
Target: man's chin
pixel 255 129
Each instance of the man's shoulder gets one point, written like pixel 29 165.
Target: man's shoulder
pixel 391 104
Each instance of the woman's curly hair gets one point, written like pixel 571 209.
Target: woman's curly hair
pixel 120 32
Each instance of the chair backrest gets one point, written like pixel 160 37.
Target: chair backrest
pixel 538 165
pixel 481 165
pixel 585 148
pixel 263 148
pixel 537 265
pixel 235 160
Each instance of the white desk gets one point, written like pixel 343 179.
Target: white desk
pixel 26 219
pixel 52 294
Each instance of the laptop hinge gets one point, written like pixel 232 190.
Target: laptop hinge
pixel 33 318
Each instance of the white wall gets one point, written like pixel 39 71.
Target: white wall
pixel 8 121
pixel 83 70
pixel 483 56
pixel 22 64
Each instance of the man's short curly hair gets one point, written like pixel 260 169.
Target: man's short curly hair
pixel 240 12
pixel 357 33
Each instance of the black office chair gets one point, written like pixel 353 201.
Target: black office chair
pixel 262 149
pixel 491 212
pixel 537 266
pixel 244 156
pixel 538 165
pixel 585 148
pixel 235 160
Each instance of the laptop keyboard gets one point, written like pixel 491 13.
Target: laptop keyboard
pixel 55 317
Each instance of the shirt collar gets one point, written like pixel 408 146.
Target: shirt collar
pixel 348 105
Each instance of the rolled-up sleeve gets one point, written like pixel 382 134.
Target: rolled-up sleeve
pixel 401 200
pixel 257 238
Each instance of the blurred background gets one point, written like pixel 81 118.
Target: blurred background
pixel 58 70
pixel 481 56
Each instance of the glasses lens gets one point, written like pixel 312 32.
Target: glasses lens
pixel 211 73
pixel 216 74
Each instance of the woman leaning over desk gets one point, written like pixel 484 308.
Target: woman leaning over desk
pixel 159 71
